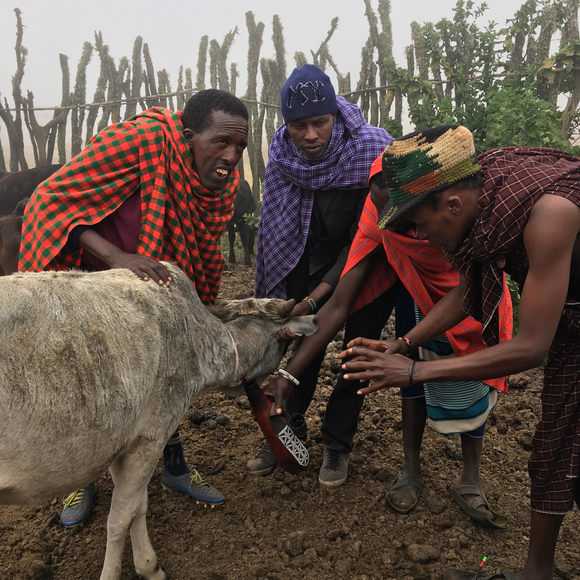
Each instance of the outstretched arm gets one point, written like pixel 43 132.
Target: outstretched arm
pixel 330 319
pixel 444 315
pixel 549 239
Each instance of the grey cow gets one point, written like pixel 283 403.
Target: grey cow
pixel 97 370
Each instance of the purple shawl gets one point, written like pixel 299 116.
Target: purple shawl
pixel 291 181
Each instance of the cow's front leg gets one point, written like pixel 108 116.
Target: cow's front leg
pixel 144 556
pixel 131 474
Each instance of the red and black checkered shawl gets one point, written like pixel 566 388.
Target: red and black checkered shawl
pixel 513 181
pixel 181 220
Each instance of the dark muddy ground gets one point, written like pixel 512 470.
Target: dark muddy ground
pixel 286 527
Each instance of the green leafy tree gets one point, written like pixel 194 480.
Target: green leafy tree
pixel 518 117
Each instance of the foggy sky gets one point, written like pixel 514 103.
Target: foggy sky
pixel 173 29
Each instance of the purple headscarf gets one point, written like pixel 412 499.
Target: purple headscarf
pixel 291 181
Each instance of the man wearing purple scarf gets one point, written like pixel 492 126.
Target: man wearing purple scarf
pixel 314 189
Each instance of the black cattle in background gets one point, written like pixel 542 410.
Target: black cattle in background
pixel 16 188
pixel 244 205
pixel 18 185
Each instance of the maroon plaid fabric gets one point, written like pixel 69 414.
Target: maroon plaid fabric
pixel 513 180
pixel 555 462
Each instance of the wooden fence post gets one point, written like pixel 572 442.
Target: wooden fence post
pixel 256 158
pixel 79 99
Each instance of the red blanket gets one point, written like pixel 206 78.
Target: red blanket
pixel 427 276
pixel 181 221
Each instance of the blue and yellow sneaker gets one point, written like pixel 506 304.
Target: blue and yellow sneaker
pixel 193 485
pixel 78 506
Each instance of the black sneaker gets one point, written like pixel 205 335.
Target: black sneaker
pixel 334 468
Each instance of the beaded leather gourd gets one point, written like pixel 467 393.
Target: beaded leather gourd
pixel 290 451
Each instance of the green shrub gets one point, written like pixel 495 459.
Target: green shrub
pixel 518 117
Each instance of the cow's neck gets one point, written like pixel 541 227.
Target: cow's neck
pixel 246 350
pixel 227 357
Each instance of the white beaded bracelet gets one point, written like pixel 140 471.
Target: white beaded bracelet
pixel 288 376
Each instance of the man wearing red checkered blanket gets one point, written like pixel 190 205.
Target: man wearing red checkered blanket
pixel 160 186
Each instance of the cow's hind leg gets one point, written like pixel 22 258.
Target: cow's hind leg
pixel 232 241
pixel 252 241
pixel 246 239
pixel 131 474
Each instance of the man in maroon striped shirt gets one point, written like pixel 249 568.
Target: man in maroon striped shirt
pixel 520 214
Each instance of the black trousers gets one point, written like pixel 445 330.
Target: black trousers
pixel 344 406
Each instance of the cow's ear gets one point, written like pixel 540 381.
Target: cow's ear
pixel 275 308
pixel 221 309
pixel 227 310
pixel 297 327
pixel 278 308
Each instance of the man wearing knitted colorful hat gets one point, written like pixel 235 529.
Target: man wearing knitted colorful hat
pixel 314 188
pixel 514 210
pixel 160 186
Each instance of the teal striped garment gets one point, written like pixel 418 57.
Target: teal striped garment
pixel 448 400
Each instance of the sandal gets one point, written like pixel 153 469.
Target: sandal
pixel 403 495
pixel 485 517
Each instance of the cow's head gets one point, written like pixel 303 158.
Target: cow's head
pixel 266 327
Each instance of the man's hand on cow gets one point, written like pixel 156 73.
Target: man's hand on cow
pixel 381 369
pixel 144 267
pixel 278 389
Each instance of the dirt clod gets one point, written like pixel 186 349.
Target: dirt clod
pixel 422 554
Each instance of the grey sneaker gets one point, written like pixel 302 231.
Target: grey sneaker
pixel 264 462
pixel 78 506
pixel 193 485
pixel 334 468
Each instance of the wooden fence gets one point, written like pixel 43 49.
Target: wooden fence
pixel 451 67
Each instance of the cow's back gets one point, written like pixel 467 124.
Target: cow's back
pixel 86 346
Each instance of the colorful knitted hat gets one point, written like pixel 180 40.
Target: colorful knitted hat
pixel 422 163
